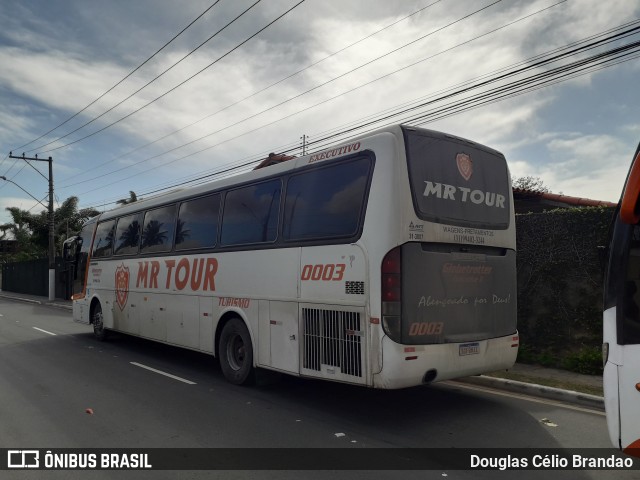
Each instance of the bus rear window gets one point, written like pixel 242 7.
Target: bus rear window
pixel 457 183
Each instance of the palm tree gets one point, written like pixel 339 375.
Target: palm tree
pixel 130 236
pixel 20 230
pixel 126 201
pixel 152 235
pixel 68 221
pixel 31 230
pixel 182 234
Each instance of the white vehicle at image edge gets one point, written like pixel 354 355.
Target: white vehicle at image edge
pixel 387 261
pixel 621 322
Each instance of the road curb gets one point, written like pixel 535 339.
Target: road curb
pixel 36 302
pixel 533 389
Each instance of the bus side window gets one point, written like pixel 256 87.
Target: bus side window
pixel 197 225
pixel 326 202
pixel 128 235
pixel 631 292
pixel 157 232
pixel 250 214
pixel 104 239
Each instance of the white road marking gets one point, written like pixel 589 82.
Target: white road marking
pixel 525 397
pixel 44 331
pixel 163 373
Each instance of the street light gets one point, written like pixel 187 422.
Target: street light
pixel 11 181
pixel 52 247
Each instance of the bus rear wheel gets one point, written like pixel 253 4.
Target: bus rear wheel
pixel 236 353
pixel 98 324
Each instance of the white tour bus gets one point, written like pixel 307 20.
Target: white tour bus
pixel 621 323
pixel 387 262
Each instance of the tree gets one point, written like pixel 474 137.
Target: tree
pixel 126 201
pixel 153 234
pixel 20 230
pixel 530 184
pixel 130 237
pixel 31 230
pixel 182 234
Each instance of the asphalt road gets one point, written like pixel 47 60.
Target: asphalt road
pixel 52 371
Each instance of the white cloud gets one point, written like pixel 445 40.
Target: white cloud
pixel 81 65
pixel 593 166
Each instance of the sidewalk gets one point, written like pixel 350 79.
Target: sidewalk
pixel 549 383
pixel 23 297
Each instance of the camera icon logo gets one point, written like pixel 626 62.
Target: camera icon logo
pixel 23 459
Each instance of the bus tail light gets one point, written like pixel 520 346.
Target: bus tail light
pixel 392 293
pixel 605 353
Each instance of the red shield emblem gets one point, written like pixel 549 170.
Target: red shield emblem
pixel 122 285
pixel 465 165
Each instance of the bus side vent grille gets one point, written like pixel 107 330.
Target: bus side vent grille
pixel 334 339
pixel 354 288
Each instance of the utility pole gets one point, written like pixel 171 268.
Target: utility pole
pixel 304 139
pixel 52 246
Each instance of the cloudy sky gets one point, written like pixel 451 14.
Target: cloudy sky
pixel 329 65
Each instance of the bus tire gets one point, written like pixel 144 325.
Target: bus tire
pixel 97 319
pixel 236 353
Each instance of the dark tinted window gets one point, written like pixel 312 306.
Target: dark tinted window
pixel 157 232
pixel 81 256
pixel 251 214
pixel 128 235
pixel 630 305
pixel 327 201
pixel 456 183
pixel 104 239
pixel 198 223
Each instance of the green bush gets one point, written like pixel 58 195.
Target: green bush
pixel 560 287
pixel 587 360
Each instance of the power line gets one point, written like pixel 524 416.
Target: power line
pixel 144 86
pixel 178 85
pixel 534 81
pixel 119 82
pixel 262 89
pixel 296 96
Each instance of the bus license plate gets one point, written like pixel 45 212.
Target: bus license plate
pixel 469 348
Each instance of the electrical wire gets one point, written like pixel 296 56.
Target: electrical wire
pixel 122 80
pixel 297 72
pixel 534 81
pixel 176 86
pixel 295 96
pixel 144 86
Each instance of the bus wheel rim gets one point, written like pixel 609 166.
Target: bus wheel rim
pixel 236 352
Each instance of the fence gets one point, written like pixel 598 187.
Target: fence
pixel 32 277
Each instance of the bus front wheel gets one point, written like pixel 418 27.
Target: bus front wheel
pixel 236 352
pixel 98 324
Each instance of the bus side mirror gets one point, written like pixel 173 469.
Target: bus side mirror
pixel 629 207
pixel 71 248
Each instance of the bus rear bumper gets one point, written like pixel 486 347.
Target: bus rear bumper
pixel 411 365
